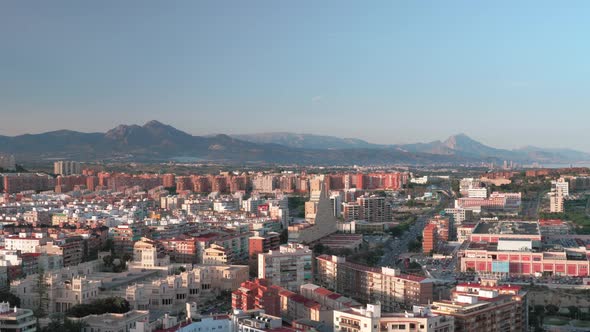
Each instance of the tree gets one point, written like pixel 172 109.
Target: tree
pixel 108 261
pixel 284 236
pixel 574 311
pixel 101 306
pixel 414 246
pixel 108 245
pixel 551 309
pixel 319 249
pixel 64 324
pixel 41 294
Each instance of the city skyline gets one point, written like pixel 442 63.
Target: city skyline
pixel 413 72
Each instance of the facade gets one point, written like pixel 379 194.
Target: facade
pixel 524 257
pixel 371 319
pixel 259 294
pixel 486 307
pixel 65 288
pixel 368 284
pixel 373 209
pixel 555 202
pixel 64 167
pixel 289 267
pixel 148 254
pixel 18 182
pixel 263 242
pixel 560 186
pixel 459 215
pixel 216 255
pixel 169 292
pixel 429 238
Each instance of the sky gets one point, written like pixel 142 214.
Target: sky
pixel 508 73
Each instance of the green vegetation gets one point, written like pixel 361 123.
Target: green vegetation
pixel 113 264
pixel 296 206
pixel 63 324
pixel 414 246
pixel 557 321
pixel 41 294
pixel 575 211
pixel 101 306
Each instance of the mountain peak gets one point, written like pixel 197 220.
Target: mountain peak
pixel 153 123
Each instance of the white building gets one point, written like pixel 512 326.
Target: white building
pixel 477 192
pixel 289 267
pixel 16 319
pixel 26 243
pixel 560 186
pixel 555 202
pixel 371 319
pixel 132 321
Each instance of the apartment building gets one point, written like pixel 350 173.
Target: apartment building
pixel 16 319
pixel 371 319
pixel 66 167
pixel 369 284
pixel 289 267
pixel 486 307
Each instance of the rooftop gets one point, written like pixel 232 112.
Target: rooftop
pixel 507 227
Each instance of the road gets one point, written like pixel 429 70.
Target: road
pixel 394 247
pixel 530 208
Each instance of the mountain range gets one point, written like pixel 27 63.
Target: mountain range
pixel 155 141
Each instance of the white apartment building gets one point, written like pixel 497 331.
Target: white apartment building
pixel 555 202
pixel 371 319
pixel 289 267
pixel 560 186
pixel 24 242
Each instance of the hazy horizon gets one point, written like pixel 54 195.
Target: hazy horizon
pixel 506 74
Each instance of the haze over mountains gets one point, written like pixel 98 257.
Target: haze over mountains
pixel 155 141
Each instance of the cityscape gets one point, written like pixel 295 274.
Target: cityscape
pixel 294 167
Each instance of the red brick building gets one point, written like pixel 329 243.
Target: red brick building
pixel 258 294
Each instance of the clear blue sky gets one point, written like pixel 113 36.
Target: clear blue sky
pixel 508 73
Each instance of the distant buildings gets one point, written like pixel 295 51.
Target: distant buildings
pixel 496 201
pixel 7 162
pixel 322 224
pixel 559 190
pixel 63 167
pixel 18 182
pixel 518 247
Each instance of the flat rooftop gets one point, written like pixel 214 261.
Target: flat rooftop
pixel 507 227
